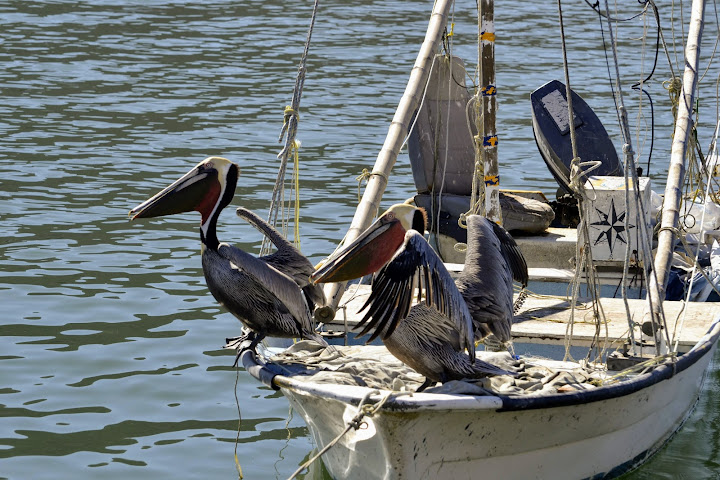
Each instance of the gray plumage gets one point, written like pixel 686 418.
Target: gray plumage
pixel 428 331
pixel 492 261
pixel 287 259
pixel 432 336
pixel 272 295
pixel 264 293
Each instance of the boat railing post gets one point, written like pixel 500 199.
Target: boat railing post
pixel 488 141
pixel 676 170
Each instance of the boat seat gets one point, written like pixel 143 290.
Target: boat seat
pixel 440 145
pixel 442 156
pixel 519 213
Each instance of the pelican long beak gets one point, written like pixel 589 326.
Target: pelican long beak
pixel 367 254
pixel 193 191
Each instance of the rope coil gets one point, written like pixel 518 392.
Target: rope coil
pixel 288 131
pixel 366 175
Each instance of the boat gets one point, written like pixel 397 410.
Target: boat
pixel 560 418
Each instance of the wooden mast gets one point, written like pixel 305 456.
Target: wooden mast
pixel 487 138
pixel 370 203
pixel 676 171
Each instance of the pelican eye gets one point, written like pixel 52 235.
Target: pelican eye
pixel 419 221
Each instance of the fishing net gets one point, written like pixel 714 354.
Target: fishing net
pixel 374 367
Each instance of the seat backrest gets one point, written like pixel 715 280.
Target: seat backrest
pixel 440 145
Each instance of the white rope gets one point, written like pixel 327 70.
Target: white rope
pixel 289 130
pixel 364 409
pixel 449 57
pixel 422 102
pixel 679 325
pixel 583 256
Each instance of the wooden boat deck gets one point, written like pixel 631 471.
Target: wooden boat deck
pixel 545 319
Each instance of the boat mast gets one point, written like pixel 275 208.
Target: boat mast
pixel 486 140
pixel 676 171
pixel 370 203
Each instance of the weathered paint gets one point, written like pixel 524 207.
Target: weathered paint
pixel 600 439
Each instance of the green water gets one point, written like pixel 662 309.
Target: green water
pixel 111 361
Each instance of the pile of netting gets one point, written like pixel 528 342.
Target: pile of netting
pixel 374 367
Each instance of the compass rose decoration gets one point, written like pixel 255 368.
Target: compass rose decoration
pixel 612 227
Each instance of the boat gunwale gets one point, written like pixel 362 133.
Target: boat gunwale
pixel 401 401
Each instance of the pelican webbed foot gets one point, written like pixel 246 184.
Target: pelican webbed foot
pixel 428 383
pixel 247 341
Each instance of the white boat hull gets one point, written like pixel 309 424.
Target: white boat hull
pixel 459 437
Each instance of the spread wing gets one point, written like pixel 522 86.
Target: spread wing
pixel 415 266
pixel 512 253
pixel 287 259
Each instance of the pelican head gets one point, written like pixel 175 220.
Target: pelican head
pixel 374 247
pixel 207 188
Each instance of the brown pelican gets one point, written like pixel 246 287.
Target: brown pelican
pixel 270 295
pixel 432 337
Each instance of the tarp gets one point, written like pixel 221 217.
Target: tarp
pixel 374 367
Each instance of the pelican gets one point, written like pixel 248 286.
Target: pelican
pixel 432 337
pixel 271 295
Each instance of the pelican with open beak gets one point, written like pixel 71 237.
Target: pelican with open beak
pixel 435 337
pixel 271 295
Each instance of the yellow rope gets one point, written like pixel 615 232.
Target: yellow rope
pixel 674 88
pixel 238 467
pixel 287 114
pixel 296 178
pixel 277 203
pixel 365 175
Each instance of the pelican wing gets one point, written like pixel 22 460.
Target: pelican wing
pixel 274 281
pixel 512 252
pixel 287 259
pixel 491 261
pixel 415 266
pixel 431 327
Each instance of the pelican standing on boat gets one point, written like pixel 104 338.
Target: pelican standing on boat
pixel 271 295
pixel 435 338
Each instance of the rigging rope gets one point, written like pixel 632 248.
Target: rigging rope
pixel 448 38
pixel 477 195
pixel 365 409
pixel 644 247
pixel 717 41
pixel 289 130
pixel 696 263
pixel 699 189
pixel 660 39
pixel 365 176
pixel 583 255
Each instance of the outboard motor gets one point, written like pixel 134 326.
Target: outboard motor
pixel 551 127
